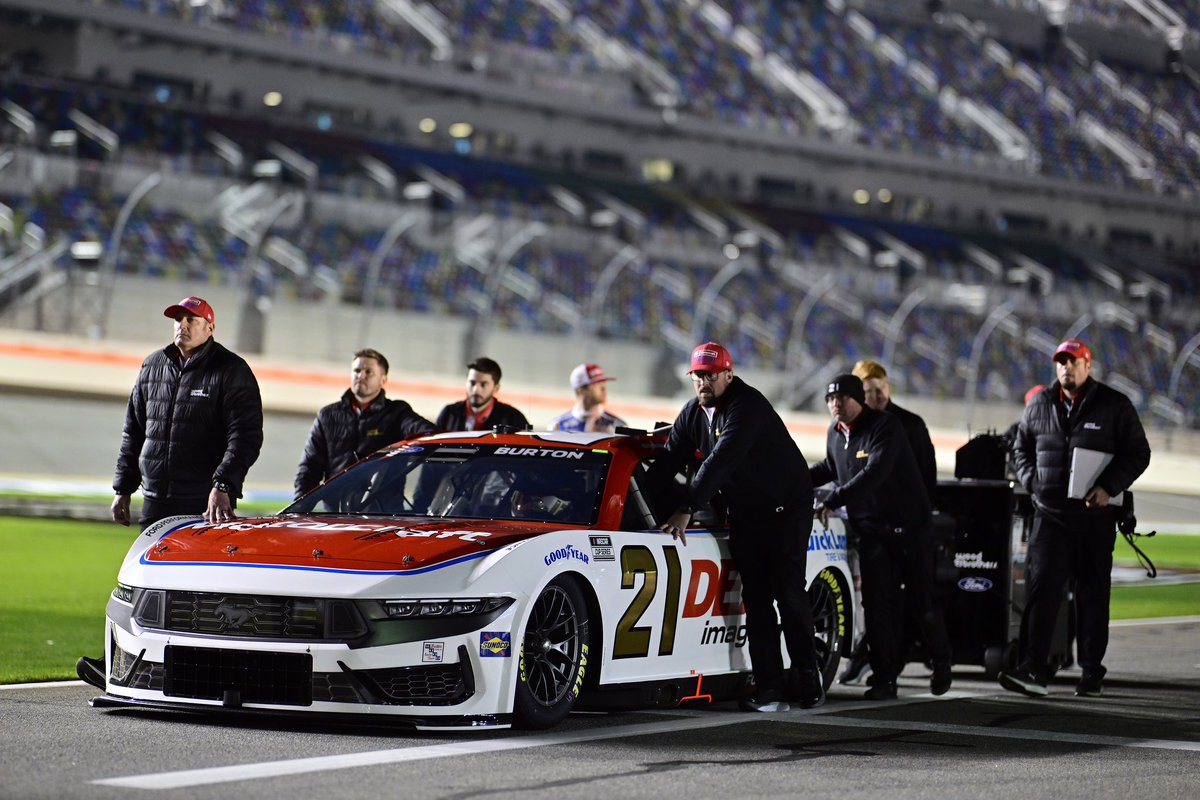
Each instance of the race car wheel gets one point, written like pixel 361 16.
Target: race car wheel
pixel 553 657
pixel 831 625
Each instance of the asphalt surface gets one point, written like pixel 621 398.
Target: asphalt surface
pixel 1142 738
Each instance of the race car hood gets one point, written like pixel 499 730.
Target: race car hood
pixel 353 543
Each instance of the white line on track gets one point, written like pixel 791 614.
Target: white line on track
pixel 41 685
pixel 694 720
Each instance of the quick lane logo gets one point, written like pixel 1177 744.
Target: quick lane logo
pixel 827 541
pixel 495 644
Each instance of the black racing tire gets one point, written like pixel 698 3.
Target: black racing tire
pixel 553 658
pixel 830 603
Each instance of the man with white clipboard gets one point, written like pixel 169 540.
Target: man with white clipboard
pixel 1079 446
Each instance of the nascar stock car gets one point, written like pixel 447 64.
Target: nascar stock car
pixel 451 581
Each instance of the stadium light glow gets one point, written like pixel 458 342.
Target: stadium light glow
pixel 272 99
pixel 427 125
pixel 861 196
pixel 460 130
pixel 884 195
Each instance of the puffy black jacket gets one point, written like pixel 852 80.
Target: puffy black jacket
pixel 188 426
pixel 1103 420
pixel 340 436
pixel 747 454
pixel 454 417
pixel 875 475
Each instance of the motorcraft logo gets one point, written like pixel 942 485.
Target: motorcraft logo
pixel 495 644
pixel 602 548
pixel 973 561
pixel 568 552
pixel 545 452
pixel 974 584
pixel 234 615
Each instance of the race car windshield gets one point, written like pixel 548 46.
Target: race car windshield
pixel 534 483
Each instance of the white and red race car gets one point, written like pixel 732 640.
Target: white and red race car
pixel 451 581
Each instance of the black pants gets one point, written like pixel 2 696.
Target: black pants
pixel 770 551
pixel 154 510
pixel 1059 549
pixel 897 573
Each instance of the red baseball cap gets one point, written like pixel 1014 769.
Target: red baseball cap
pixel 710 357
pixel 1075 349
pixel 191 305
pixel 587 374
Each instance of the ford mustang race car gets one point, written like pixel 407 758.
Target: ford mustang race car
pixel 452 581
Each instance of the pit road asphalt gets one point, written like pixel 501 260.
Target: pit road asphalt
pixel 1141 739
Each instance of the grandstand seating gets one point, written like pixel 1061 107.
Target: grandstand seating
pixel 898 80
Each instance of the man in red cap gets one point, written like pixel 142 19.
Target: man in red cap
pixel 193 428
pixel 1073 532
pixel 743 458
pixel 591 397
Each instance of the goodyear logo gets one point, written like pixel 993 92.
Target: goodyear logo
pixel 495 644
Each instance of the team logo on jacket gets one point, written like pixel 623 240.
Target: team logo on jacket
pixel 862 454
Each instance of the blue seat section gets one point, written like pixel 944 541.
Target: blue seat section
pixel 898 80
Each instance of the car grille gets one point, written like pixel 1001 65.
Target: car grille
pixel 262 617
pixel 238 676
pixel 431 685
pixel 287 679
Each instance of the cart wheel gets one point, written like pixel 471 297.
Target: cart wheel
pixel 998 658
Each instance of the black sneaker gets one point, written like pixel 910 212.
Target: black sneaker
pixel 882 690
pixel 1024 681
pixel 939 684
pixel 811 688
pixel 766 700
pixel 1090 685
pixel 91 670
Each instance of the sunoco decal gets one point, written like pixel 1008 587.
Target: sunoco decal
pixel 569 552
pixel 602 548
pixel 495 644
pixel 974 584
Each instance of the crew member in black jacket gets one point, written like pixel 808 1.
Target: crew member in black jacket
pixel 193 426
pixel 363 421
pixel 1072 537
pixel 747 456
pixel 481 410
pixel 874 476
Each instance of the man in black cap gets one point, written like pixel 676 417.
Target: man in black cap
pixel 875 477
pixel 749 458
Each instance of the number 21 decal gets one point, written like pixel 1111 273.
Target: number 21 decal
pixel 633 640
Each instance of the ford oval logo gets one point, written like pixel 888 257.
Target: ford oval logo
pixel 973 584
